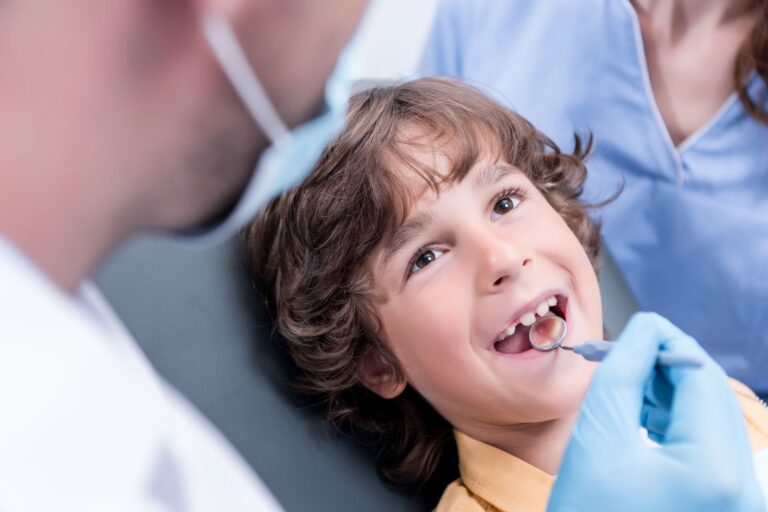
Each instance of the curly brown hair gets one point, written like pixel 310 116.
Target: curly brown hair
pixel 308 249
pixel 753 57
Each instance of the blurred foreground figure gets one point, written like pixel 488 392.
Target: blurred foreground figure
pixel 118 118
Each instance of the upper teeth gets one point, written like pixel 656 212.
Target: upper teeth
pixel 529 318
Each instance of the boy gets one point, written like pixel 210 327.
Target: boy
pixel 405 274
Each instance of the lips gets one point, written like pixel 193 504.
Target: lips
pixel 513 338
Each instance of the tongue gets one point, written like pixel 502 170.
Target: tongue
pixel 516 343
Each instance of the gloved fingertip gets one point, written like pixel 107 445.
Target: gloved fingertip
pixel 634 356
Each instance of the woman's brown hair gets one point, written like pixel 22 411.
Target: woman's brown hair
pixel 753 56
pixel 309 248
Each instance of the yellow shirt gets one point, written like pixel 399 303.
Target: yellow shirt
pixel 493 480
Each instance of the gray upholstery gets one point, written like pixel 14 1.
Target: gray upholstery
pixel 199 321
pixel 618 302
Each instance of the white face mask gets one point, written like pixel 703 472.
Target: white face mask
pixel 292 155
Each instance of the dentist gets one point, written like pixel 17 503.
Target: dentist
pixel 124 117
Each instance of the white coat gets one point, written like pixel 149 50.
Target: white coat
pixel 85 421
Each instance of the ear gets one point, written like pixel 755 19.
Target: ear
pixel 378 375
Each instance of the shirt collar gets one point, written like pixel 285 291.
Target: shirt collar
pixel 500 478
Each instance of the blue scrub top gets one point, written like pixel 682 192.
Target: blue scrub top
pixel 690 229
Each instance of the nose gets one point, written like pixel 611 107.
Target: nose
pixel 500 261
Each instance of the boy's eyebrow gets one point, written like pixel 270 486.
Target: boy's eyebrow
pixel 405 234
pixel 491 174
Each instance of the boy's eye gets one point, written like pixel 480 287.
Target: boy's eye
pixel 504 205
pixel 424 258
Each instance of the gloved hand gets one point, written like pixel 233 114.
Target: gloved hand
pixel 704 461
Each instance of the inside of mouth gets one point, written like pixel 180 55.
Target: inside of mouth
pixel 519 341
pixel 558 308
pixel 516 343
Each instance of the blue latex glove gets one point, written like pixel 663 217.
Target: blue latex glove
pixel 704 462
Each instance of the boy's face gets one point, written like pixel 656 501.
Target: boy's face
pixel 466 265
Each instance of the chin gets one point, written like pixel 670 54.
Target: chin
pixel 571 390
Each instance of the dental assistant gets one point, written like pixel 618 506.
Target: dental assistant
pixel 136 116
pixel 674 92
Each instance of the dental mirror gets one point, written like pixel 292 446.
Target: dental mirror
pixel 547 333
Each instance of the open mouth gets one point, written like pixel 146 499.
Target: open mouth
pixel 514 339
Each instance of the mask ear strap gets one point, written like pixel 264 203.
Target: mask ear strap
pixel 225 46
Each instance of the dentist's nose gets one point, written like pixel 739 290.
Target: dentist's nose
pixel 499 262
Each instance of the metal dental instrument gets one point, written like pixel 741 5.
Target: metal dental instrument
pixel 548 333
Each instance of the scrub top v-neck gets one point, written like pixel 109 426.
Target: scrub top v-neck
pixel 690 228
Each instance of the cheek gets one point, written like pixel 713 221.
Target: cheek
pixel 415 332
pixel 588 289
pixel 426 327
pixel 567 252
